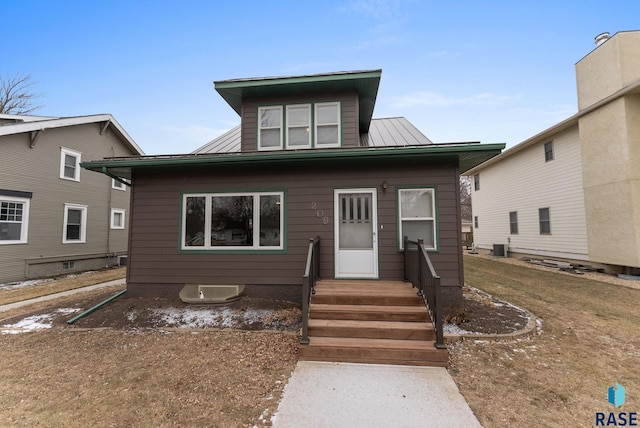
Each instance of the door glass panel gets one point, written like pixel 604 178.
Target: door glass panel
pixel 355 226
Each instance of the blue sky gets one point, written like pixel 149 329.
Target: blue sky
pixel 489 71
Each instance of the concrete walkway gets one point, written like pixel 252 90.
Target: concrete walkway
pixel 335 395
pixel 15 305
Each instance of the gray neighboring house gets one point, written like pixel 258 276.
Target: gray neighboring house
pixel 54 217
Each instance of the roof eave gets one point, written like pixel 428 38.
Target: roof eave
pixel 365 83
pixel 467 156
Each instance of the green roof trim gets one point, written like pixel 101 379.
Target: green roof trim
pixel 468 155
pixel 365 83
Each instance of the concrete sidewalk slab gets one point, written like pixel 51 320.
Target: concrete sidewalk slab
pixel 15 305
pixel 322 395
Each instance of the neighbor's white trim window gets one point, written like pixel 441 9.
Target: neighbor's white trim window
pixel 327 124
pixel 270 128
pixel 233 221
pixel 299 126
pixel 117 218
pixel 118 185
pixel 14 220
pixel 75 224
pixel 70 164
pixel 416 214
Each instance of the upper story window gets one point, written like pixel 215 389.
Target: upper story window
pixel 14 220
pixel 299 126
pixel 548 151
pixel 118 185
pixel 476 182
pixel 70 164
pixel 327 124
pixel 270 128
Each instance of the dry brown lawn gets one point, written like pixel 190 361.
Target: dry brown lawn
pixel 57 285
pixel 556 377
pixel 589 339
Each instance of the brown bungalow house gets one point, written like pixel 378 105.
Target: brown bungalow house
pixel 307 161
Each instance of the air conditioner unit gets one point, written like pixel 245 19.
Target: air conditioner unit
pixel 122 260
pixel 499 250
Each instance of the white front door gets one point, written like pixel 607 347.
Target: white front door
pixel 356 243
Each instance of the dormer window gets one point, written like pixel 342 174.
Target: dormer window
pixel 270 128
pixel 327 124
pixel 299 126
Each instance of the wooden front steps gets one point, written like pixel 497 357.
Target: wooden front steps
pixel 376 322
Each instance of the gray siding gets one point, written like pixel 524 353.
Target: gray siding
pixel 349 103
pixel 37 170
pixel 155 260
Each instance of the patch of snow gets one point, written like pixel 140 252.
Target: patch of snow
pixel 454 329
pixel 210 317
pixel 35 322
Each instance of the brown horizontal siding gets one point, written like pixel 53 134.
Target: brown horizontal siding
pixel 155 257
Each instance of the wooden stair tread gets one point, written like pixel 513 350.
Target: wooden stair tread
pixel 370 308
pixel 405 325
pixel 353 342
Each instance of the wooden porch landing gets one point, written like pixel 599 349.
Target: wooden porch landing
pixel 376 322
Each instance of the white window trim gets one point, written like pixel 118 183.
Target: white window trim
pixel 432 218
pixel 281 127
pixel 115 211
pixel 339 123
pixel 24 230
pixel 63 152
pixel 83 226
pixel 308 126
pixel 117 185
pixel 256 222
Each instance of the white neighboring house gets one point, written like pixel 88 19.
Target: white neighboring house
pixel 572 192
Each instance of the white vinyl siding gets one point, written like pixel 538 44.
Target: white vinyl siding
pixel 525 182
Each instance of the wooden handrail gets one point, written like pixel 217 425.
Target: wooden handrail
pixel 429 286
pixel 311 275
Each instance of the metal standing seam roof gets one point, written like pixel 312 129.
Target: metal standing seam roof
pixel 385 132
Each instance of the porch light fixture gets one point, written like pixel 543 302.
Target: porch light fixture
pixel 385 186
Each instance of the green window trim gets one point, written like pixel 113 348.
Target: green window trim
pixel 244 222
pixel 319 125
pixel 433 218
